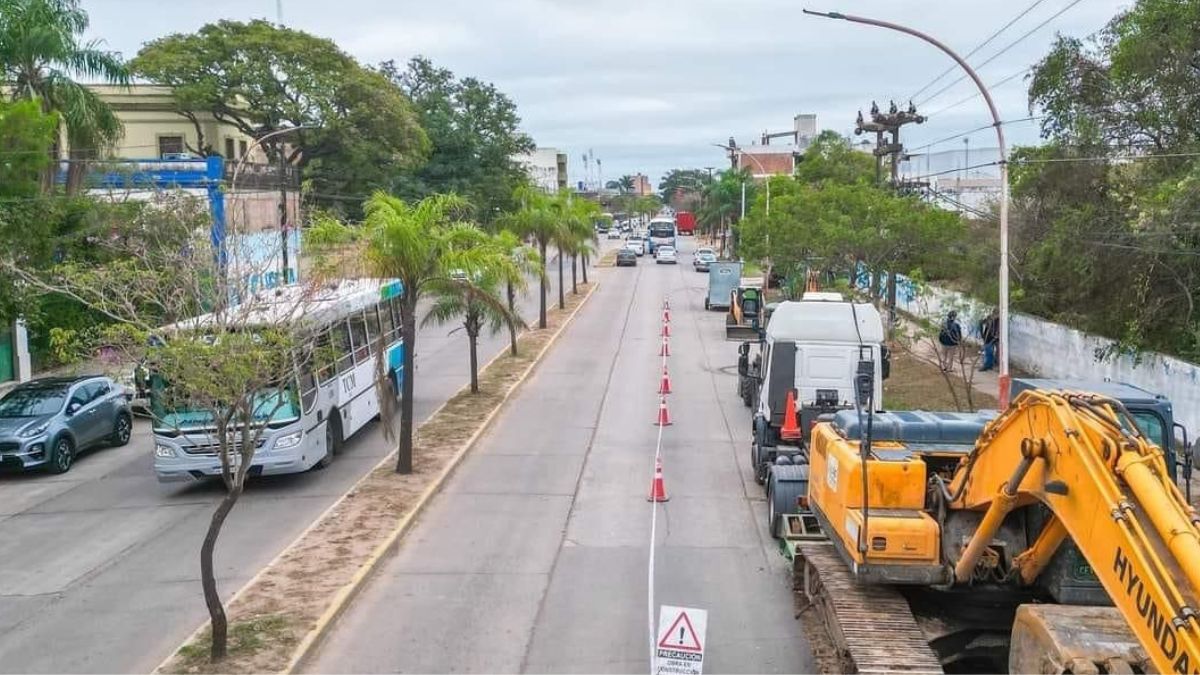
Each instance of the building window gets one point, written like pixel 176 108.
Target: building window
pixel 170 145
pixel 241 148
pixel 228 148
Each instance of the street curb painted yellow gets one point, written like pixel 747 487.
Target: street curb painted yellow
pixel 351 589
pixel 343 597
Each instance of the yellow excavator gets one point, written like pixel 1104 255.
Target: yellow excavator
pixel 921 553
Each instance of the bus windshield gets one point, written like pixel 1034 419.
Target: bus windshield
pixel 174 414
pixel 662 230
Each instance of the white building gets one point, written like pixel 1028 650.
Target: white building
pixel 547 168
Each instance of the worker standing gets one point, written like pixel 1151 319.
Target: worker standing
pixel 989 332
pixel 950 338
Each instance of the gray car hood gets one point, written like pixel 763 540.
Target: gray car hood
pixel 10 427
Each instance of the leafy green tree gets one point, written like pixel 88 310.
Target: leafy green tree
pixel 419 244
pixel 625 183
pixel 360 130
pixel 40 52
pixel 535 218
pixel 678 183
pixel 25 134
pixel 474 133
pixel 478 305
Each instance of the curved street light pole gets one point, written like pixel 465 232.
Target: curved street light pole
pixel 1002 356
pixel 237 169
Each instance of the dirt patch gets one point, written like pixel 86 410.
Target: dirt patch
pixel 273 615
pixel 917 384
pixel 608 259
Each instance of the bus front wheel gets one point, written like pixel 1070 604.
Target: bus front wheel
pixel 333 441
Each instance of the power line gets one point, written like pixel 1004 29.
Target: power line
pixel 974 51
pixel 972 97
pixel 976 130
pixel 1007 47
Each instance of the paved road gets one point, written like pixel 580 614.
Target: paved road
pixel 99 568
pixel 534 557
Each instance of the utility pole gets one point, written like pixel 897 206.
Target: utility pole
pixel 888 123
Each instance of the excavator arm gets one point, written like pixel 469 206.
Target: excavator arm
pixel 1108 488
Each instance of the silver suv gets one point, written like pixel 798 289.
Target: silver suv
pixel 47 423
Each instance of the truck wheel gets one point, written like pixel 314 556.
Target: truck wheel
pixel 785 485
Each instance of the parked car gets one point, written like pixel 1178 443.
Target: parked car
pixel 665 255
pixel 636 245
pixel 614 233
pixel 626 257
pixel 48 422
pixel 702 258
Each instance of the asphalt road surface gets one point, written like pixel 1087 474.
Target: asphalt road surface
pixel 534 556
pixel 99 567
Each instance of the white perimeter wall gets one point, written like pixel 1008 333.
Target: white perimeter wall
pixel 1048 349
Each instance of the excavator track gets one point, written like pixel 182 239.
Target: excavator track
pixel 871 626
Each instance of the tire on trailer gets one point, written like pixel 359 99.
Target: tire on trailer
pixel 786 483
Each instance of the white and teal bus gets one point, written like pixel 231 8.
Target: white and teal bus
pixel 661 232
pixel 322 405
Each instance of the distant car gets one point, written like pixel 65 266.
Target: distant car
pixel 665 255
pixel 703 258
pixel 636 245
pixel 626 257
pixel 48 422
pixel 614 233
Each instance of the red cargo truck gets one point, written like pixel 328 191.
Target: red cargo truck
pixel 685 222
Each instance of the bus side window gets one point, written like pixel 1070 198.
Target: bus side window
pixel 385 320
pixel 324 356
pixel 340 335
pixel 358 336
pixel 372 326
pixel 308 379
pixel 396 319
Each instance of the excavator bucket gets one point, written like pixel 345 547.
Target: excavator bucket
pixel 1053 639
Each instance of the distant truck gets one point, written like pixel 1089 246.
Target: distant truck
pixel 685 222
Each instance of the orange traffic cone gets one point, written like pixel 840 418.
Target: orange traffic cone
pixel 666 304
pixel 664 417
pixel 665 350
pixel 666 330
pixel 791 428
pixel 658 489
pixel 665 386
pixel 666 315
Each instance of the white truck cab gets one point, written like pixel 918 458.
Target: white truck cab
pixel 813 348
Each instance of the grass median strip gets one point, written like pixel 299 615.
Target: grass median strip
pixel 282 613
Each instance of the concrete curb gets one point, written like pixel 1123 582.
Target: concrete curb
pixel 315 636
pixel 347 593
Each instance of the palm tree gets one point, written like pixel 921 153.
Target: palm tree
pixel 419 244
pixel 40 50
pixel 580 224
pixel 478 304
pixel 625 183
pixel 535 218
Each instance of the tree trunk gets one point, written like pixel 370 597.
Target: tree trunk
pixel 562 298
pixel 574 277
pixel 542 283
pixel 408 324
pixel 584 268
pixel 208 581
pixel 512 296
pixel 473 339
pixel 512 326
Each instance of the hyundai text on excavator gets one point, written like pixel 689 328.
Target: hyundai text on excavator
pixel 964 542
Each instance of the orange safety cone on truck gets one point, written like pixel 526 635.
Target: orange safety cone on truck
pixel 664 417
pixel 791 427
pixel 658 489
pixel 665 386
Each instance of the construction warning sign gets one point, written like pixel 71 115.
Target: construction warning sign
pixel 680 641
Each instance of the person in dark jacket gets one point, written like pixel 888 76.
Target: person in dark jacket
pixel 989 331
pixel 950 338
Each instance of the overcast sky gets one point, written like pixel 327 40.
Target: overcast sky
pixel 651 85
